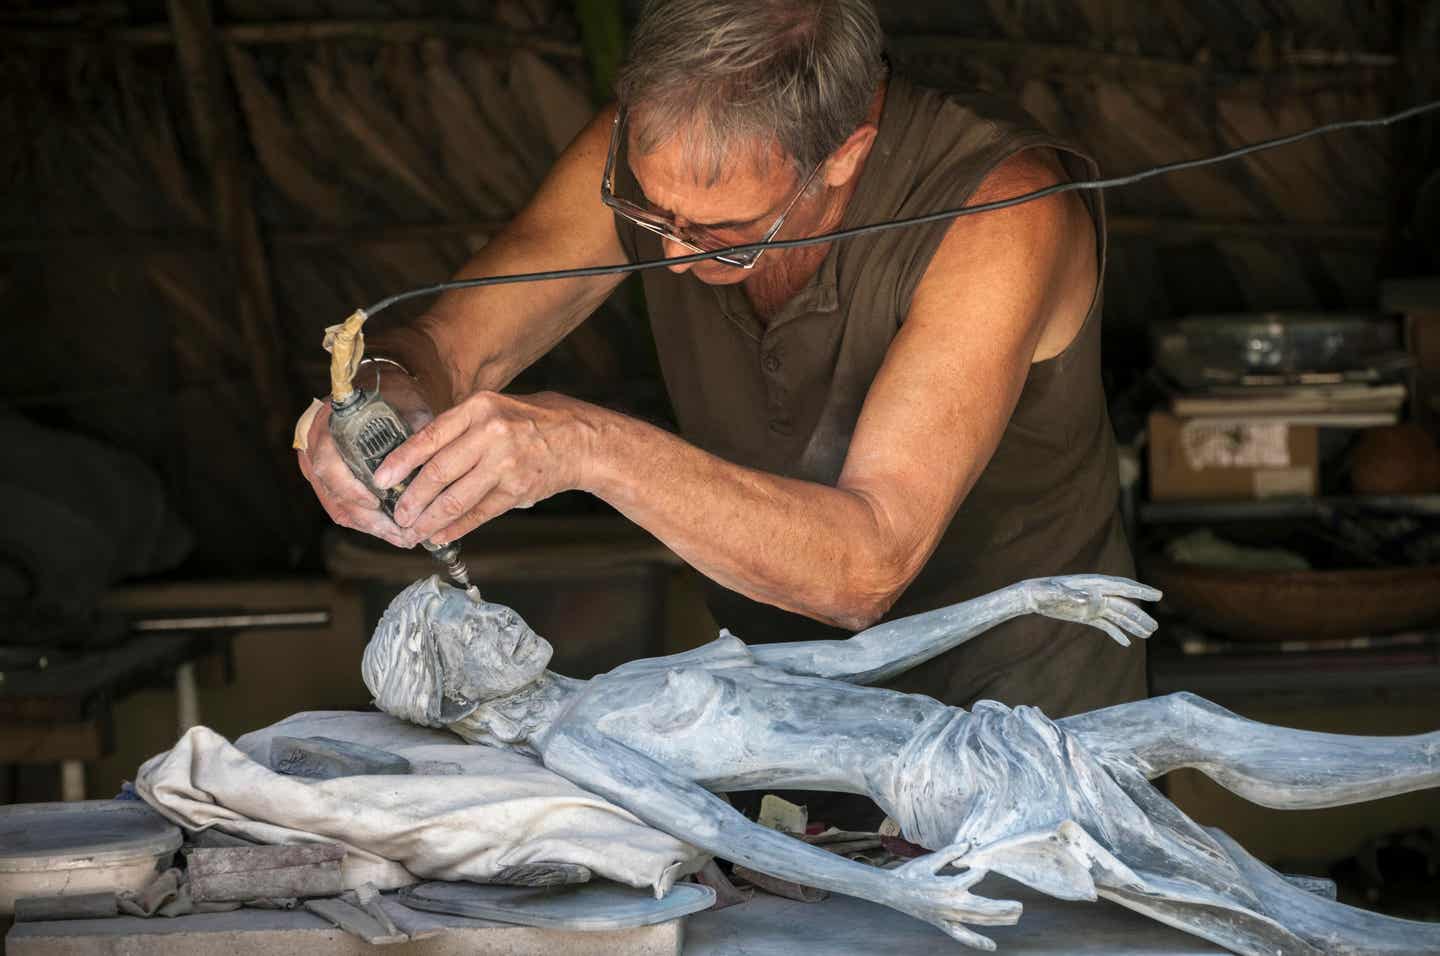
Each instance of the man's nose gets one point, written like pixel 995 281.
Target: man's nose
pixel 673 249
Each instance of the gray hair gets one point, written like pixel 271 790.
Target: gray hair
pixel 732 73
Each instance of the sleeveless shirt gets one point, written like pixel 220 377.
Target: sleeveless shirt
pixel 784 396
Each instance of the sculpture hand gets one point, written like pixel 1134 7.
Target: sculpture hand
pixel 946 901
pixel 1100 600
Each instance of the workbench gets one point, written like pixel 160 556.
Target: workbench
pixel 765 926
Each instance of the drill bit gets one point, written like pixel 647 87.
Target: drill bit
pixel 449 556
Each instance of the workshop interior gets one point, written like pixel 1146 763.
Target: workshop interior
pixel 216 211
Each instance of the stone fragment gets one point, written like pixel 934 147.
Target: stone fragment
pixel 265 872
pixel 35 909
pixel 325 758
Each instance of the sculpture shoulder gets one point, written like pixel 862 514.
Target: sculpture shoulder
pixel 682 701
pixel 727 650
pixel 660 697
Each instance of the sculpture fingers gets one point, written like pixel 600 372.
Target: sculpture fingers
pixel 1134 590
pixel 1117 635
pixel 1112 584
pixel 983 911
pixel 1128 616
pixel 960 933
pixel 932 863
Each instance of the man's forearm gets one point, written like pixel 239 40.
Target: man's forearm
pixel 805 547
pixel 479 339
pixel 415 350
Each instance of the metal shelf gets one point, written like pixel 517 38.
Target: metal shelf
pixel 1184 512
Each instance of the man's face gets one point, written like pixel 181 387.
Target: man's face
pixel 755 189
pixel 485 650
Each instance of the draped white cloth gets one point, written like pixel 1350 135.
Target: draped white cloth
pixel 466 813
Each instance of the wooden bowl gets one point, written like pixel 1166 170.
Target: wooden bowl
pixel 1299 605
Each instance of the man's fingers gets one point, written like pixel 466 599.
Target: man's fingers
pixel 452 505
pixel 372 521
pixel 448 466
pixel 420 447
pixel 319 427
pixel 326 470
pixel 495 504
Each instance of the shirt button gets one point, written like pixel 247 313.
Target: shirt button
pixel 772 362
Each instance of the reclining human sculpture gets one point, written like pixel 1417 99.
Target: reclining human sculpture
pixel 1063 806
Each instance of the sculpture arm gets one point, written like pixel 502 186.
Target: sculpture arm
pixel 689 812
pixel 888 649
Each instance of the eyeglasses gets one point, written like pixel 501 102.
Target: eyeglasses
pixel 695 238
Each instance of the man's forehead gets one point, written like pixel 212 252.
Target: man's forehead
pixel 680 177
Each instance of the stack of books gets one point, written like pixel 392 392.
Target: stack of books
pixel 1345 405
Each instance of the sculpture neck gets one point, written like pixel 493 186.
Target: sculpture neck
pixel 512 721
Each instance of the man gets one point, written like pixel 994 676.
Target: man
pixel 1061 805
pixel 867 429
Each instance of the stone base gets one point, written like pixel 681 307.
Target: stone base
pixel 765 926
pixel 284 933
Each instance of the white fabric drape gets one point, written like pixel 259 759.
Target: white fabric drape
pixel 465 813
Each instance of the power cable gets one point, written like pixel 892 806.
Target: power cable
pixel 853 232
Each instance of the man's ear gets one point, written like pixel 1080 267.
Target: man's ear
pixel 844 163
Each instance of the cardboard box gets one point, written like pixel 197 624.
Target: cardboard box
pixel 1199 459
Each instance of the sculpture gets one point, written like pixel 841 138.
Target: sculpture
pixel 1063 806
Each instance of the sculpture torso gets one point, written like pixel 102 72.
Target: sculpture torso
pixel 727 723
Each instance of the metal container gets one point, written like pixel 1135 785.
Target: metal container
pixel 89 846
pixel 1277 348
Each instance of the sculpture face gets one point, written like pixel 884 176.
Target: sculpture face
pixel 439 652
pixel 487 650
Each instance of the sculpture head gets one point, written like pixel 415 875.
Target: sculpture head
pixel 438 653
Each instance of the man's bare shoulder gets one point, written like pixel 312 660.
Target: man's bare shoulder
pixel 1048 244
pixel 1022 172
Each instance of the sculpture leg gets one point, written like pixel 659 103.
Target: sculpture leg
pixel 1273 766
pixel 1330 927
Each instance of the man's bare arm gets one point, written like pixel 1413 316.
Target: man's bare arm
pixel 996 290
pixel 689 812
pixel 482 338
pixel 888 649
pixel 474 339
pixel 1003 290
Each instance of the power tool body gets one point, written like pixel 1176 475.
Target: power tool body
pixel 366 428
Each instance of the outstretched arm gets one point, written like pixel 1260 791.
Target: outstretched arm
pixel 689 812
pixel 894 647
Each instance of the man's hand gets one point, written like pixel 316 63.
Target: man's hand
pixel 1100 600
pixel 345 499
pixel 485 456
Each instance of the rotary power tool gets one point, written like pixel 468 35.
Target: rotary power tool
pixel 366 428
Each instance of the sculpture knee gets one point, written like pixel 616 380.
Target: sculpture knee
pixel 1188 705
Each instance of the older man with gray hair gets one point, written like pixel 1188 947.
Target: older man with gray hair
pixel 867 429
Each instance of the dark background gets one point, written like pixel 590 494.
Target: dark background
pixel 181 220
pixel 194 190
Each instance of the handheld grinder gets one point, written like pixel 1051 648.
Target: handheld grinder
pixel 366 428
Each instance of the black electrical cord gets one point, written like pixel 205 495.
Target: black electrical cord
pixel 851 233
